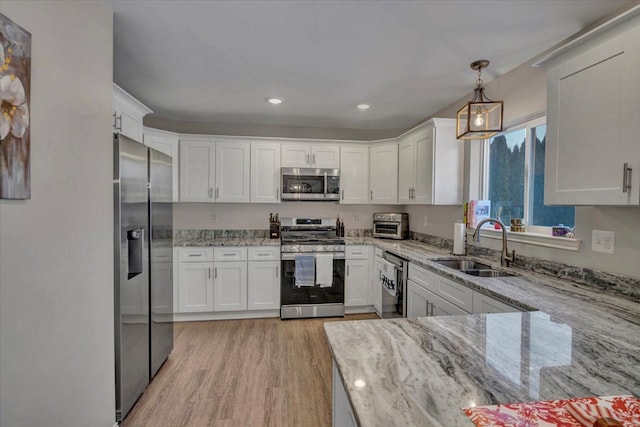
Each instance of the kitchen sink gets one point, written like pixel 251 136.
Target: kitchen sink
pixel 462 264
pixel 473 268
pixel 482 272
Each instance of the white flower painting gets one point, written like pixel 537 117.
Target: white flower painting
pixel 15 91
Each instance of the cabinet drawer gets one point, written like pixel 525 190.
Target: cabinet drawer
pixel 456 293
pixel 264 253
pixel 230 254
pixel 423 277
pixel 195 254
pixel 357 252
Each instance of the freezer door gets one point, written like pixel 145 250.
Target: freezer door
pixel 131 290
pixel 161 259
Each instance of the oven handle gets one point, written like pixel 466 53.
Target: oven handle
pixel 292 255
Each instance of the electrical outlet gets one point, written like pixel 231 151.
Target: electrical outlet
pixel 603 241
pixel 425 221
pixel 215 218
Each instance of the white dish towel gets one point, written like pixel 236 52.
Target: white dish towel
pixel 324 270
pixel 388 271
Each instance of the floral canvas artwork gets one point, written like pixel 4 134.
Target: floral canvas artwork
pixel 15 90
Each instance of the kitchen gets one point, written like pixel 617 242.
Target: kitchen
pixel 57 337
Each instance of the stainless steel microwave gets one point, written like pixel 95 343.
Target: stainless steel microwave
pixel 310 184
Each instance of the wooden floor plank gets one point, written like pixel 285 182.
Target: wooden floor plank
pixel 252 372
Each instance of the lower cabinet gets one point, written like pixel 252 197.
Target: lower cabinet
pixel 264 285
pixel 229 281
pixel 230 286
pixel 356 282
pixel 422 302
pixel 196 287
pixel 485 304
pixel 342 412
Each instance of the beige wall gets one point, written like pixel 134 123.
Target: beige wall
pixel 56 250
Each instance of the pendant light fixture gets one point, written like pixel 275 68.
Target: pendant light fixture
pixel 480 118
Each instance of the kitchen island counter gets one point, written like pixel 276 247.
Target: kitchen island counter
pixel 422 371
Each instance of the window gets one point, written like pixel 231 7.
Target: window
pixel 514 180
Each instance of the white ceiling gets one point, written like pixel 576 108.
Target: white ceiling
pixel 217 61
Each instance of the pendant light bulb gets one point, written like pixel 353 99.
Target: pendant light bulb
pixel 479 120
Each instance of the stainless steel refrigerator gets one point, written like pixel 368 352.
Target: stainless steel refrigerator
pixel 143 254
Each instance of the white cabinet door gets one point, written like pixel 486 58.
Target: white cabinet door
pixel 423 181
pixel 232 172
pixel 593 126
pixel 383 174
pixel 325 156
pixel 416 300
pixel 354 175
pixel 296 156
pixel 406 169
pixel 197 164
pixel 196 287
pixel 169 144
pixel 230 286
pixel 356 283
pixel 446 167
pixel 485 304
pixel 264 285
pixel 128 113
pixel 265 173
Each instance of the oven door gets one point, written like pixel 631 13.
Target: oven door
pixel 389 230
pixel 291 295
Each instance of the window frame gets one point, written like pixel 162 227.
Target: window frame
pixel 535 234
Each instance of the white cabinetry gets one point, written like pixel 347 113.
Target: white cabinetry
pixel 197 174
pixel 356 286
pixel 229 279
pixel 128 113
pixel 592 154
pixel 167 143
pixel 195 280
pixel 264 278
pixel 342 412
pixel 383 174
pixel 354 175
pixel 232 172
pixel 310 156
pixel 485 304
pixel 265 172
pixel 421 302
pixel 431 164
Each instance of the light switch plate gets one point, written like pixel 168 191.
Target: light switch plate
pixel 603 241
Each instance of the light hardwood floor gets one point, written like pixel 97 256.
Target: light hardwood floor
pixel 262 372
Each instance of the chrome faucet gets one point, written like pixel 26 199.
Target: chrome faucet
pixel 505 257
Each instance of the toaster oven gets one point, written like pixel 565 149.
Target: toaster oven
pixel 391 225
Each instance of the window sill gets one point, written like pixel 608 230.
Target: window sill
pixel 536 239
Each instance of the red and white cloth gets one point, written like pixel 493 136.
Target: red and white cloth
pixel 558 413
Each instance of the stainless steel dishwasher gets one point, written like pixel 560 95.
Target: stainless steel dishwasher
pixel 394 305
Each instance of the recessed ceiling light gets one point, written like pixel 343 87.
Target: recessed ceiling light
pixel 364 106
pixel 274 101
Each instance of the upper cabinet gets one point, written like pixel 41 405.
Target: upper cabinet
pixel 197 170
pixel 431 163
pixel 592 153
pixel 354 175
pixel 383 173
pixel 128 113
pixel 265 172
pixel 232 172
pixel 326 156
pixel 167 143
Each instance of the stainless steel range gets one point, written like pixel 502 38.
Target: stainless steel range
pixel 313 268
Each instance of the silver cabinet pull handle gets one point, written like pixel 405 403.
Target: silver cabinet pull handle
pixel 215 273
pixel 409 192
pixel 307 161
pixel 210 192
pixel 371 194
pixel 342 194
pixel 314 159
pixel 277 193
pixel 119 128
pixel 209 272
pixel 115 126
pixel 347 270
pixel 626 178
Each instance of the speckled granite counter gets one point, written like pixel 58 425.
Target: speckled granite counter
pixel 420 372
pixel 225 241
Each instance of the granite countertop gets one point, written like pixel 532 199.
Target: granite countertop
pixel 225 241
pixel 421 372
